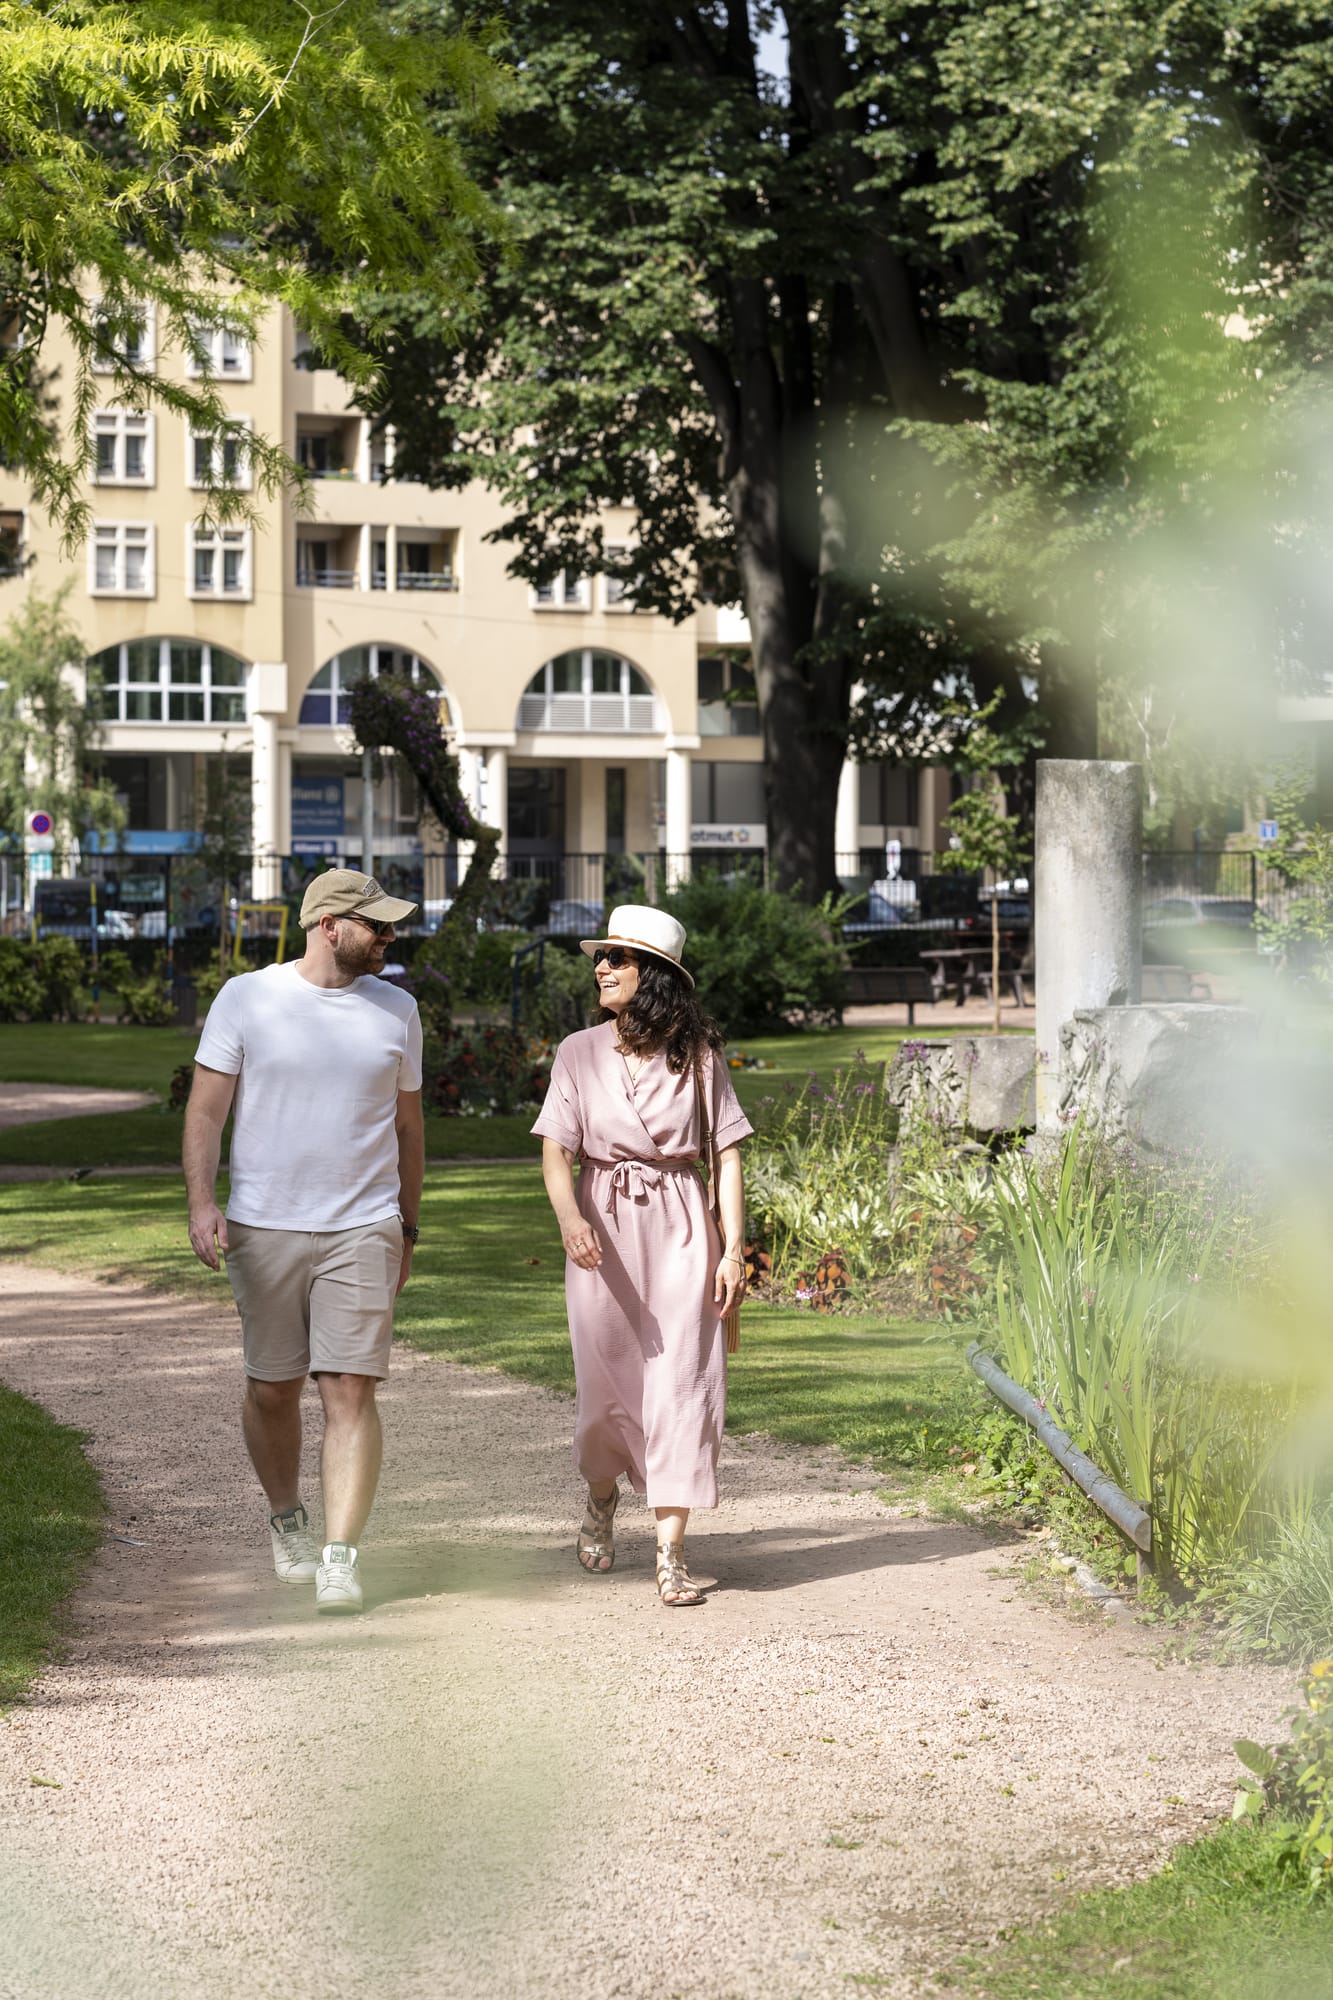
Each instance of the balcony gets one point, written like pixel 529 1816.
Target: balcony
pixel 314 576
pixel 329 449
pixel 605 714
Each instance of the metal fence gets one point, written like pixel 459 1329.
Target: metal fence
pixel 164 895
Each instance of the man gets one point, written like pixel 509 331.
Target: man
pixel 321 1062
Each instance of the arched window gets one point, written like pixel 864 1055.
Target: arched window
pixel 170 680
pixel 588 689
pixel 326 701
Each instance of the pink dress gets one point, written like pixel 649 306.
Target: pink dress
pixel 650 1363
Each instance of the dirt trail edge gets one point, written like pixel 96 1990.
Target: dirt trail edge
pixel 866 1751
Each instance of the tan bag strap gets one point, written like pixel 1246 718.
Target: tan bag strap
pixel 708 1154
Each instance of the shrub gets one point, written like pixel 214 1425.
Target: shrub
pixel 487 979
pixel 475 1072
pixel 1296 1780
pixel 42 981
pixel 817 1185
pixel 143 998
pixel 761 962
pixel 20 988
pixel 209 981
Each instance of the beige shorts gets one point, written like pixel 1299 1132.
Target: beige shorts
pixel 315 1303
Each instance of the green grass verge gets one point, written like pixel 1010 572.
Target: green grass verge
pixel 1222 1922
pixel 129 1058
pixel 488 1289
pixel 50 1522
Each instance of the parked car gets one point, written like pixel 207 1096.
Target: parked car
pixel 1163 910
pixel 575 919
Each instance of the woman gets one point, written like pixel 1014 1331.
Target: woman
pixel 647 1281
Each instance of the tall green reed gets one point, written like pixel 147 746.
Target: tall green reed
pixel 1106 1274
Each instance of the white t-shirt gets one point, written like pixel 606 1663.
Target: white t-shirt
pixel 318 1070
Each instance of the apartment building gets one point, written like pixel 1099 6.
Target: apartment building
pixel 585 729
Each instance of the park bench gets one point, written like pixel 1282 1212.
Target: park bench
pixel 1167 982
pixel 887 986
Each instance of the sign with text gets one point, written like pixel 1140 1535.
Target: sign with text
pixel 716 833
pixel 319 810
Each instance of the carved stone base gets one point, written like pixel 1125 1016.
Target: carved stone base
pixel 1160 1075
pixel 972 1083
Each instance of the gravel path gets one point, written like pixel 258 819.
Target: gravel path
pixel 32 1103
pixel 869 1749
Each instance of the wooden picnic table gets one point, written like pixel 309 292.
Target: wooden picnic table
pixel 962 968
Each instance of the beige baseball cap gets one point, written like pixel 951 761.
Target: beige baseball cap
pixel 346 892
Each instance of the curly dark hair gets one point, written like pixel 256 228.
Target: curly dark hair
pixel 664 1014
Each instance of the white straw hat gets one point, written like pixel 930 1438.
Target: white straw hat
pixel 642 928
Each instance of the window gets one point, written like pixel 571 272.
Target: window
pixel 123 448
pixel 121 560
pixel 219 562
pixel 221 459
pixel 563 593
pixel 11 542
pixel 728 705
pixel 219 352
pixel 727 794
pixel 326 701
pixel 888 794
pixel 588 689
pixel 169 680
pixel 125 335
pixel 614 588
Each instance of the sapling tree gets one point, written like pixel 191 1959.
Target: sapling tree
pixel 49 728
pixel 984 836
pixel 1303 857
pixel 226 829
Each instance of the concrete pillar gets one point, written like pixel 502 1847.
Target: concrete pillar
pixel 497 794
pixel 469 784
pixel 1088 902
pixel 679 817
pixel 266 783
pixel 847 820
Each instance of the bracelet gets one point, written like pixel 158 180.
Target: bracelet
pixel 726 1259
pixel 410 1231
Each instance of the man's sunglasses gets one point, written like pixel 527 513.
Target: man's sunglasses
pixel 615 955
pixel 371 924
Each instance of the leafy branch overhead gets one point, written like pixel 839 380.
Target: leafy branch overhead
pixel 182 171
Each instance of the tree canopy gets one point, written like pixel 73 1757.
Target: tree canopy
pixel 199 163
pixel 888 345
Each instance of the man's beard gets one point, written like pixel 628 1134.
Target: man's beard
pixel 353 960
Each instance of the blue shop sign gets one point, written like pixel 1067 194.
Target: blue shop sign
pixel 318 809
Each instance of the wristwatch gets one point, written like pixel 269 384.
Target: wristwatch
pixel 410 1231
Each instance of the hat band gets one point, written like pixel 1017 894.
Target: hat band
pixel 618 937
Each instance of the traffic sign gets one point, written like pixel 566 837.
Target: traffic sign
pixel 40 822
pixel 1267 832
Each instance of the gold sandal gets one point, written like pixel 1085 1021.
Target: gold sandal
pixel 595 1547
pixel 675 1586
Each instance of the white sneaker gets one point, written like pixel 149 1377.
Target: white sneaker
pixel 337 1585
pixel 295 1550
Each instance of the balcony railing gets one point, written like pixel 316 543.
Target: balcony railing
pixel 308 578
pixel 612 714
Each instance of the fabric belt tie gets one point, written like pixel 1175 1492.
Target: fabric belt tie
pixel 636 1179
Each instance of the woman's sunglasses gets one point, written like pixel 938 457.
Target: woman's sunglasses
pixel 615 955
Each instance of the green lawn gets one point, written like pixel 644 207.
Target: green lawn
pixel 50 1522
pixel 488 1288
pixel 1222 1922
pixel 132 1058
